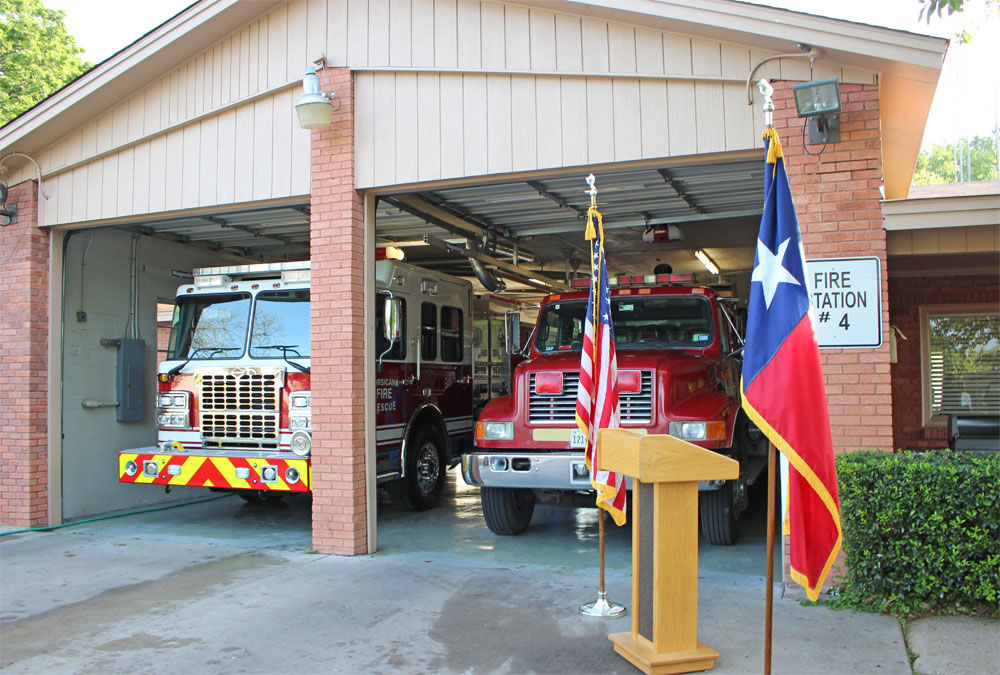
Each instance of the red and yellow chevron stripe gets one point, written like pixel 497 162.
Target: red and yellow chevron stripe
pixel 212 471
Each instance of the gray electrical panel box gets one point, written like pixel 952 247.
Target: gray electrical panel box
pixel 131 380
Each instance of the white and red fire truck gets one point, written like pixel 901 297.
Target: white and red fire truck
pixel 679 356
pixel 234 401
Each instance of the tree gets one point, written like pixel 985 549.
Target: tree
pixel 977 159
pixel 37 55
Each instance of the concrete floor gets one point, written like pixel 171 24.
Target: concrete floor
pixel 225 587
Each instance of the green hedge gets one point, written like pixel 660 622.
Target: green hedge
pixel 921 531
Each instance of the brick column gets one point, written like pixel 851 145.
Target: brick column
pixel 838 204
pixel 24 296
pixel 337 236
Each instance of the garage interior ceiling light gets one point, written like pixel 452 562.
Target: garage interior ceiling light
pixel 819 101
pixel 706 261
pixel 314 107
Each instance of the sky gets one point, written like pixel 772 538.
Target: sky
pixel 966 102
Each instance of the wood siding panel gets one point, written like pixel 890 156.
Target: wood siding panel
pixel 569 43
pixel 378 32
pixel 542 27
pixel 208 162
pixel 548 114
pixel 603 111
pixel 452 126
pixel 364 129
pixel 424 34
pixel 263 145
pixel 710 116
pixel 429 130
pixel 621 48
pixel 499 150
pixel 594 39
pixel 517 37
pixel 653 136
pixel 474 124
pixel 281 139
pixel 384 141
pixel 648 52
pixel 400 33
pixel 445 33
pixel 681 118
pixel 225 173
pixel 573 103
pixel 491 33
pixel 407 130
pixel 524 141
pixel 126 175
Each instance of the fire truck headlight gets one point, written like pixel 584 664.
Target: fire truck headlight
pixel 174 399
pixel 301 443
pixel 172 420
pixel 131 468
pixel 150 468
pixel 495 431
pixel 698 431
pixel 301 399
pixel 300 422
pixel 291 475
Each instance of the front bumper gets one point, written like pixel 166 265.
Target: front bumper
pixel 151 466
pixel 537 471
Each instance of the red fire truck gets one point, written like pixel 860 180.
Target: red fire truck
pixel 233 396
pixel 679 356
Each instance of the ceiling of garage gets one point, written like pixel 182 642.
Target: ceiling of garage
pixel 715 207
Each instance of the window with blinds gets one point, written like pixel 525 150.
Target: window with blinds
pixel 962 361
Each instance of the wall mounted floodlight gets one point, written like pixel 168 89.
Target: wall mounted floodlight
pixel 819 101
pixel 314 107
pixel 706 261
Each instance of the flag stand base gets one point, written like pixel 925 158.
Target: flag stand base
pixel 603 609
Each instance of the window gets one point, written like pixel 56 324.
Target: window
pixel 398 351
pixel 451 334
pixel 209 326
pixel 960 353
pixel 280 325
pixel 428 331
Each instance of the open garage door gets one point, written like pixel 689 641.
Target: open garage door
pixel 119 284
pixel 530 231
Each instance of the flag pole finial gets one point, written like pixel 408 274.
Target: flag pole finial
pixel 590 231
pixel 591 181
pixel 766 90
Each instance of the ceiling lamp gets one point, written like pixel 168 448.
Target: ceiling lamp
pixel 706 261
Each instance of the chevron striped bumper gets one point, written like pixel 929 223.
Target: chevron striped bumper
pixel 242 473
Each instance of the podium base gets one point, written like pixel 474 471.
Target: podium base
pixel 639 652
pixel 602 608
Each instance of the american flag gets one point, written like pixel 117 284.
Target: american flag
pixel 597 394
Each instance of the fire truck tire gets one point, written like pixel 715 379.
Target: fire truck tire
pixel 507 511
pixel 260 496
pixel 421 488
pixel 718 515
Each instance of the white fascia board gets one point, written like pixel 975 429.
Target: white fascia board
pixel 155 53
pixel 941 212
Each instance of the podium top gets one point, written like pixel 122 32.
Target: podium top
pixel 660 458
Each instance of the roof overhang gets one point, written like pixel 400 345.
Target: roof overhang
pixel 909 64
pixel 968 205
pixel 128 70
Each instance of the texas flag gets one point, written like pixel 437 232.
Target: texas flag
pixel 783 389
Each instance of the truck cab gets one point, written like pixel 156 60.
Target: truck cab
pixel 679 362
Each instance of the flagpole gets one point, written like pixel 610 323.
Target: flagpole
pixel 601 607
pixel 769 583
pixel 766 90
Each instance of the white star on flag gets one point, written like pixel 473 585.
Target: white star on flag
pixel 770 272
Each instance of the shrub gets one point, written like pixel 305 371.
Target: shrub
pixel 921 531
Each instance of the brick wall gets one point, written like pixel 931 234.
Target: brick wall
pixel 837 201
pixel 336 232
pixel 24 250
pixel 838 204
pixel 906 296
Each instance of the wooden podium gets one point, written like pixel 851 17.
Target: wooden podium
pixel 665 472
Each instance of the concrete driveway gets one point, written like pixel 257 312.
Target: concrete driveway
pixel 226 587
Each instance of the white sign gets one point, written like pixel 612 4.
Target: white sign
pixel 847 296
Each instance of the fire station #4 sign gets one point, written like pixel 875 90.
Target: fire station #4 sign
pixel 847 296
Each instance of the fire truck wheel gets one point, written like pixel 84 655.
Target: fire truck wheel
pixel 260 496
pixel 507 511
pixel 421 488
pixel 718 515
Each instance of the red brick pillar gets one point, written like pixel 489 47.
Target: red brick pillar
pixel 24 297
pixel 838 203
pixel 337 236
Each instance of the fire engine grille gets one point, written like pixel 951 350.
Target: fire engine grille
pixel 240 406
pixel 635 408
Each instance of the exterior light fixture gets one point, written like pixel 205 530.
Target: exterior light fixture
pixel 314 107
pixel 819 101
pixel 706 261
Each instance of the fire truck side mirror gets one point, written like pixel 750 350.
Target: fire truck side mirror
pixel 512 339
pixel 391 323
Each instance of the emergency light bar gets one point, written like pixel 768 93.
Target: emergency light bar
pixel 639 280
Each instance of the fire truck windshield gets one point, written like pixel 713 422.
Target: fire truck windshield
pixel 280 325
pixel 209 326
pixel 640 322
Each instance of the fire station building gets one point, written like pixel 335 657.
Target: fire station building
pixel 460 117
